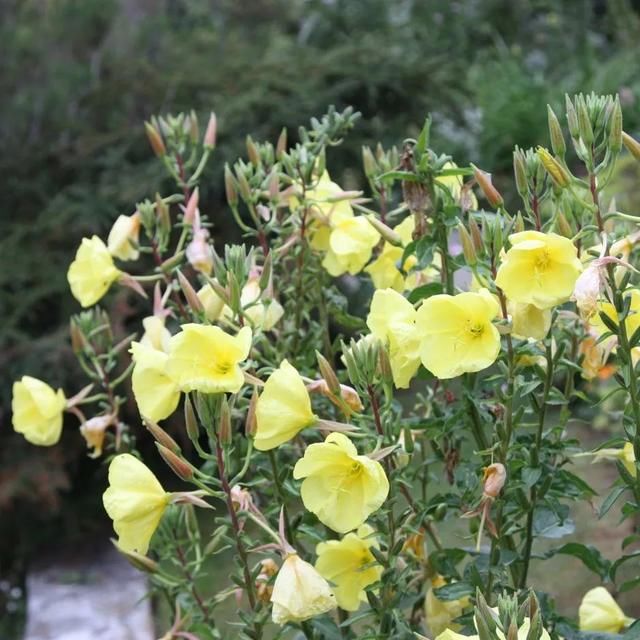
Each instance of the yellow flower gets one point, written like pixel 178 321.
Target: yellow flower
pixel 37 411
pixel 263 315
pixel 440 614
pixel 156 394
pixel 299 592
pixel 325 201
pixel 342 488
pixel 600 612
pixel 156 335
pixel 135 501
pixel 283 408
pixel 350 566
pixel 626 455
pixel 539 269
pixel 392 321
pixel 125 230
pixel 457 333
pixel 213 304
pixel 528 321
pixel 92 272
pixel 206 359
pixel 632 321
pixel 384 269
pixel 350 244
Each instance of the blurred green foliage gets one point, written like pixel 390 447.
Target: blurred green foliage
pixel 78 77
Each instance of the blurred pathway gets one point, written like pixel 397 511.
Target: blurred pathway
pixel 88 598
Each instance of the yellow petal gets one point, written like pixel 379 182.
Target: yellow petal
pixel 600 612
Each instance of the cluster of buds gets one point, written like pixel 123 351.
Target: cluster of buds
pixel 367 363
pixel 531 177
pixel 510 620
pixel 376 163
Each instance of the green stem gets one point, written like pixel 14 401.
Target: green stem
pixel 291 537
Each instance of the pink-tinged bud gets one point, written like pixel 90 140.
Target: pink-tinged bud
pixel 490 192
pixel 281 145
pixel 633 146
pixel 78 341
pixel 161 436
pixel 231 187
pixel 94 430
pixel 495 475
pixel 200 253
pixel 155 139
pixel 178 465
pixel 190 211
pixel 211 132
pixel 476 234
pixel 241 498
pixel 252 152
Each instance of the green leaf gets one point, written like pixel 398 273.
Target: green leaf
pixel 610 500
pixel 548 524
pixel 620 561
pixel 589 555
pixel 531 475
pixel 425 291
pixel 454 591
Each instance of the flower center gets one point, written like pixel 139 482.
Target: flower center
pixel 356 467
pixel 542 260
pixel 475 329
pixel 222 368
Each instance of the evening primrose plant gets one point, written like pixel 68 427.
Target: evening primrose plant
pixel 368 403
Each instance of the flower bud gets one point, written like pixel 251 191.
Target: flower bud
pixel 190 211
pixel 493 480
pixel 386 232
pixel 178 465
pixel 210 134
pixel 329 375
pixel 490 192
pixel 562 225
pixel 555 133
pixel 368 162
pixel 155 140
pixel 615 132
pixel 194 129
pixel 138 560
pixel 632 145
pixel 190 419
pixel 476 234
pixel 520 172
pixel 251 424
pixel 190 294
pixel 230 187
pixel 584 121
pixel 518 223
pixel 281 145
pixel 558 173
pixel 252 152
pixel 78 341
pixel 468 249
pixel 224 433
pixel 243 185
pixel 162 436
pixel 572 118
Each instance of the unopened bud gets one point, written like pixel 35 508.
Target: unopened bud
pixel 178 465
pixel 557 172
pixel 192 207
pixel 194 129
pixel 161 436
pixel 518 223
pixel 384 366
pixel 281 145
pixel 572 118
pixel 251 424
pixel 243 185
pixel 190 294
pixel 386 232
pixel 137 560
pixel 495 475
pixel 468 249
pixel 265 276
pixel 224 424
pixel 369 162
pixel 632 145
pixel 210 134
pixel 273 186
pixel 78 341
pixel 329 375
pixel 190 419
pixel 555 133
pixel 230 187
pixel 563 226
pixel 584 121
pixel 155 139
pixel 615 132
pixel 476 234
pixel 520 172
pixel 490 192
pixel 252 152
